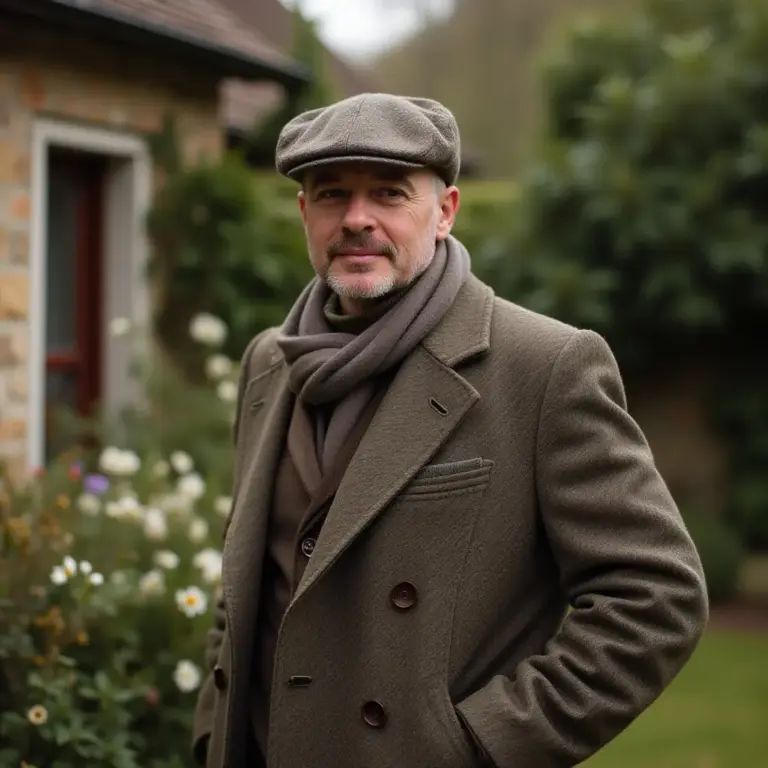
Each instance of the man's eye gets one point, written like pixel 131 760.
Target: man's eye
pixel 391 192
pixel 328 194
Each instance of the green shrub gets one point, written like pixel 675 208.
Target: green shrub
pixel 722 555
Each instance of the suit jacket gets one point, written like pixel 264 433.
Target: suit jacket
pixel 501 554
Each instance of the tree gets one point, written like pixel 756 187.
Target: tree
pixel 643 214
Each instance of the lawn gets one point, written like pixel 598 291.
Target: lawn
pixel 714 715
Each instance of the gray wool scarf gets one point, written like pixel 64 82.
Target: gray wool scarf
pixel 337 369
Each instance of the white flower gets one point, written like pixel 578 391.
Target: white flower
pixel 161 469
pixel 191 601
pixel 96 579
pixel 181 462
pixel 166 559
pixel 198 530
pixel 58 576
pixel 70 566
pixel 227 391
pixel 127 507
pixel 89 504
pixel 113 461
pixel 207 329
pixel 37 715
pixel 155 525
pixel 85 568
pixel 152 583
pixel 174 504
pixel 186 676
pixel 218 366
pixel 223 505
pixel 119 326
pixel 191 486
pixel 209 563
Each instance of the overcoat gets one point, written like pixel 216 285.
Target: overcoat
pixel 502 563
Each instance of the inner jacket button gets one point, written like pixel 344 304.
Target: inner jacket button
pixel 308 546
pixel 374 714
pixel 404 596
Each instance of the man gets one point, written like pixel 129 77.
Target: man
pixel 449 545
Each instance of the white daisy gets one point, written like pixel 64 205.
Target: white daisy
pixel 186 676
pixel 218 366
pixel 198 530
pixel 191 601
pixel 208 329
pixel 181 462
pixel 152 583
pixel 166 559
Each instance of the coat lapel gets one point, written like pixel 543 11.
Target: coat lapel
pixel 267 408
pixel 424 405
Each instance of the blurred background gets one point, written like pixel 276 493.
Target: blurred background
pixel 615 176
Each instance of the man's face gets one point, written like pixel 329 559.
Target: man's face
pixel 372 228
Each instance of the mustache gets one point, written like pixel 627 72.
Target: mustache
pixel 361 242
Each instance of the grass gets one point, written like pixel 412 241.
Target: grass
pixel 713 715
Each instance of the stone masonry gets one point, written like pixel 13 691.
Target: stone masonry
pixel 85 83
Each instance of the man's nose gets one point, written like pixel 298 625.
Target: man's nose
pixel 358 216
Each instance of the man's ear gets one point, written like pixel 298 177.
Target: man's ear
pixel 450 202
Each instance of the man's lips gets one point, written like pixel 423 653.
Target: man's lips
pixel 359 256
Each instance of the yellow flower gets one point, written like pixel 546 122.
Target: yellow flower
pixel 62 501
pixel 81 638
pixel 38 715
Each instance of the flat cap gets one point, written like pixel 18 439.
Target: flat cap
pixel 380 127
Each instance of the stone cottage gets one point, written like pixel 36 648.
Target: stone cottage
pixel 83 86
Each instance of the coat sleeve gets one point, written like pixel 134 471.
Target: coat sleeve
pixel 203 722
pixel 631 573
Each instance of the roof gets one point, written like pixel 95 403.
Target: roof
pixel 204 28
pixel 245 102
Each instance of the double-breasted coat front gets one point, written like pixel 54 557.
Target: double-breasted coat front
pixel 502 560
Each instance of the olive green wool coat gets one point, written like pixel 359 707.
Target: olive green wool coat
pixel 501 481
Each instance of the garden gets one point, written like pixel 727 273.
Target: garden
pixel 641 216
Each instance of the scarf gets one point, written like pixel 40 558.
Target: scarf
pixel 335 370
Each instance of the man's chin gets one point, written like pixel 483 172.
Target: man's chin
pixel 350 287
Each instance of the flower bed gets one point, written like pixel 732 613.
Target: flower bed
pixel 109 561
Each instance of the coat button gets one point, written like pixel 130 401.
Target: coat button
pixel 374 714
pixel 219 678
pixel 404 596
pixel 308 546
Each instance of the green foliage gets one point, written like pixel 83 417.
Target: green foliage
pixel 103 558
pixel 642 216
pixel 743 417
pixel 722 555
pixel 220 246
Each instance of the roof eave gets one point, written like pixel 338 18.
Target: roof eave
pixel 128 30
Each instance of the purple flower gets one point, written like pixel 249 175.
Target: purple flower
pixel 96 484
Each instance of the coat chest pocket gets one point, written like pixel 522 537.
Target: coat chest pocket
pixel 437 481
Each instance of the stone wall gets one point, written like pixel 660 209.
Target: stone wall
pixel 85 83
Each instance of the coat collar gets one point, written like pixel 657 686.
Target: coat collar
pixel 465 330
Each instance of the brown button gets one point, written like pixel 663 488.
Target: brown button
pixel 219 678
pixel 374 714
pixel 308 546
pixel 404 596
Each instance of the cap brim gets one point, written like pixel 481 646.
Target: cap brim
pixel 297 172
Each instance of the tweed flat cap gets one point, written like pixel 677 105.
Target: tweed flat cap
pixel 397 130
